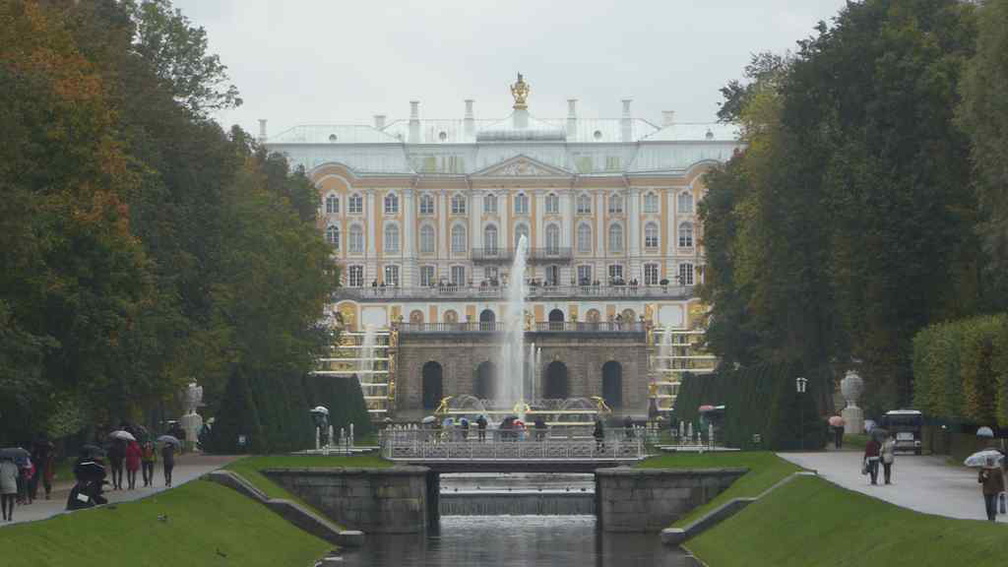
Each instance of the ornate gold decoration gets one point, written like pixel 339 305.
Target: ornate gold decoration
pixel 520 92
pixel 603 408
pixel 442 408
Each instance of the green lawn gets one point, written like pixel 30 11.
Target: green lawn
pixel 206 524
pixel 249 468
pixel 765 469
pixel 813 522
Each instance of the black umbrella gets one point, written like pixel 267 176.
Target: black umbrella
pixel 12 453
pixel 89 471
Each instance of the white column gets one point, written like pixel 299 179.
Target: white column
pixel 409 238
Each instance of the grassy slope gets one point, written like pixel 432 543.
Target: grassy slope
pixel 765 469
pixel 203 518
pixel 249 468
pixel 813 522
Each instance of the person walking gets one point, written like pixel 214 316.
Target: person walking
pixel 838 436
pixel 481 426
pixel 992 481
pixel 43 456
pixel 116 456
pixel 599 434
pixel 888 457
pixel 871 456
pixel 168 462
pixel 8 488
pixel 148 456
pixel 133 456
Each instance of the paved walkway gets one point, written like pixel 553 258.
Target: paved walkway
pixel 922 483
pixel 187 467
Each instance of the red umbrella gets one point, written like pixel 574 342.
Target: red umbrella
pixel 836 421
pixel 706 407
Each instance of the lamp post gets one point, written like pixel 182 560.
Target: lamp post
pixel 800 385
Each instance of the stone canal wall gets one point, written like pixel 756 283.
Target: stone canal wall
pixel 648 500
pixel 391 501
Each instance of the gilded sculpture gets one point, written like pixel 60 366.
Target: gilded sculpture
pixel 520 92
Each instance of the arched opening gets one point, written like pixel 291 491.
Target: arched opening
pixel 556 319
pixel 556 385
pixel 432 392
pixel 628 316
pixel 593 316
pixel 416 317
pixel 450 316
pixel 487 319
pixel 483 382
pixel 612 384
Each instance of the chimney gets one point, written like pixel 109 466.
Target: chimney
pixel 262 130
pixel 379 121
pixel 469 123
pixel 571 116
pixel 667 118
pixel 625 122
pixel 414 122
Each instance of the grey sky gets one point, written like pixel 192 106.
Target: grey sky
pixel 336 61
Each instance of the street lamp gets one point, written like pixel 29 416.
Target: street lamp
pixel 801 384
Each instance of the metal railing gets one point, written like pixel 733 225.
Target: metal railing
pixel 452 291
pixel 508 445
pixel 534 255
pixel 541 327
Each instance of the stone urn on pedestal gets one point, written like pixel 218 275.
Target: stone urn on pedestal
pixel 851 388
pixel 191 421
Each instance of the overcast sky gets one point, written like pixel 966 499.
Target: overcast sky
pixel 336 61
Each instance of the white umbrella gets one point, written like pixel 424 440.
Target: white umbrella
pixel 985 432
pixel 169 440
pixel 428 419
pixel 124 435
pixel 320 409
pixel 979 459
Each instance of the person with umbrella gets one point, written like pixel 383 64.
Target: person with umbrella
pixel 133 455
pixel 43 457
pixel 117 457
pixel 837 423
pixel 992 484
pixel 168 456
pixel 148 456
pixel 871 458
pixel 8 485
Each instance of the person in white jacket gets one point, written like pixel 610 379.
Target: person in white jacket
pixel 888 457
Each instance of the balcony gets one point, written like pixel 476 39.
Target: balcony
pixel 540 327
pixel 450 292
pixel 547 255
pixel 493 255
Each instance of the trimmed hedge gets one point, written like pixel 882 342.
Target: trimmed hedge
pixel 961 370
pixel 760 400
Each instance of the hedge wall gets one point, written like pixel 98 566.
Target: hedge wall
pixel 760 400
pixel 961 370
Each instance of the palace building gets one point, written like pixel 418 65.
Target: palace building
pixel 424 216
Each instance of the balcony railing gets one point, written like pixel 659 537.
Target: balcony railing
pixel 492 255
pixel 540 327
pixel 449 291
pixel 547 254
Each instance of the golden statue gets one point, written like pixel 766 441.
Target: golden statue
pixel 520 92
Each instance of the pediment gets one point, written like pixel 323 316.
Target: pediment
pixel 522 166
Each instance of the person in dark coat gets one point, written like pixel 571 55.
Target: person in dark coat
pixel 540 428
pixel 481 426
pixel 599 434
pixel 871 456
pixel 168 462
pixel 116 457
pixel 992 480
pixel 42 456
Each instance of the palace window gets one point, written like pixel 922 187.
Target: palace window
pixel 584 235
pixel 332 204
pixel 552 204
pixel 426 204
pixel 651 236
pixel 458 275
pixel 458 204
pixel 355 205
pixel 615 272
pixel 490 239
pixel 355 243
pixel 355 276
pixel 651 274
pixel 491 273
pixel 686 235
pixel 391 204
pixel 459 243
pixel 553 275
pixel 521 205
pixel 490 204
pixel 685 203
pixel 615 204
pixel 391 239
pixel 584 204
pixel 427 239
pixel 552 239
pixel 520 231
pixel 332 236
pixel 651 203
pixel 392 276
pixel 685 274
pixel 615 237
pixel 584 275
pixel 426 276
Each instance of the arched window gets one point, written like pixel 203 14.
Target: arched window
pixel 459 244
pixel 651 273
pixel 432 392
pixel 427 240
pixel 458 204
pixel 651 203
pixel 556 387
pixel 552 239
pixel 391 243
pixel 391 204
pixel 332 236
pixel 685 203
pixel 520 231
pixel 490 204
pixel 490 239
pixel 615 204
pixel 651 236
pixel 483 385
pixel 521 204
pixel 426 204
pixel 355 245
pixel 355 205
pixel 584 204
pixel 612 384
pixel 331 204
pixel 584 235
pixel 686 235
pixel 615 237
pixel 487 319
pixel 552 204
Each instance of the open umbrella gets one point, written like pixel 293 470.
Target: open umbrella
pixel 169 440
pixel 985 432
pixel 705 407
pixel 320 409
pixel 836 421
pixel 12 453
pixel 89 471
pixel 121 434
pixel 428 419
pixel 979 459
